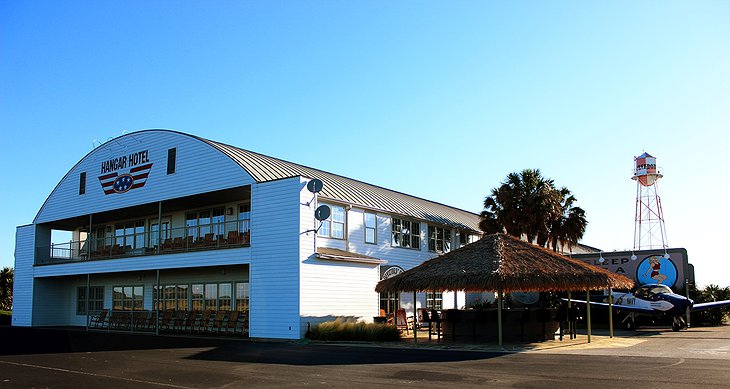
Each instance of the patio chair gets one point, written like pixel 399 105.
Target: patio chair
pixel 403 322
pixel 166 318
pixel 178 320
pixel 99 321
pixel 233 238
pixel 209 240
pixel 189 242
pixel 141 318
pixel 125 319
pixel 204 319
pixel 167 245
pixel 177 243
pixel 219 320
pixel 190 320
pixel 232 321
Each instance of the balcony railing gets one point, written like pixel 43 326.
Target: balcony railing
pixel 175 240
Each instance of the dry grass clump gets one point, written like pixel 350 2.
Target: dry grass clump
pixel 351 330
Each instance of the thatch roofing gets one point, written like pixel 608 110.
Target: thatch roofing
pixel 502 261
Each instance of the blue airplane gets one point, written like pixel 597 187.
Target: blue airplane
pixel 656 300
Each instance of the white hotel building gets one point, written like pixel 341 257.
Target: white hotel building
pixel 212 226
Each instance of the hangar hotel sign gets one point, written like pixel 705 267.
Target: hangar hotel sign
pixel 126 172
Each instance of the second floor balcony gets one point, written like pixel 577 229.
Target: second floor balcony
pixel 208 221
pixel 212 236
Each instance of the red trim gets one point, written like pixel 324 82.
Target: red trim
pixel 107 176
pixel 138 168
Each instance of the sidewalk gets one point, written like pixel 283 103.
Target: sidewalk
pixel 599 340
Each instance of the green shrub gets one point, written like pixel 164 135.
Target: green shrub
pixel 5 317
pixel 351 330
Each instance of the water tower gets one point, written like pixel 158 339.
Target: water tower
pixel 649 230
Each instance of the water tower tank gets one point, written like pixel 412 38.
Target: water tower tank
pixel 645 170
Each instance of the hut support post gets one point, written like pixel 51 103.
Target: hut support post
pixel 588 314
pixel 610 312
pixel 570 322
pixel 499 315
pixel 415 317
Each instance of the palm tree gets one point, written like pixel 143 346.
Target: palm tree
pixel 6 289
pixel 528 204
pixel 570 225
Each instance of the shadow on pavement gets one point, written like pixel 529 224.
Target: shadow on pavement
pixel 25 341
pixel 21 340
pixel 321 354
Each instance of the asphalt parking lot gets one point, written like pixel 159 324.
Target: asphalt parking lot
pixel 699 357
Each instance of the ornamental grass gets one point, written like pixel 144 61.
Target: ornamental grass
pixel 340 329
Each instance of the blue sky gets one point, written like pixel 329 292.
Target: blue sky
pixel 436 99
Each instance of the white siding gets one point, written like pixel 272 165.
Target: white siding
pixel 332 289
pixel 275 229
pixel 23 282
pixel 199 168
pixel 403 257
pixel 52 298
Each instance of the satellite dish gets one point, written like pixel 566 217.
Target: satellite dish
pixel 315 185
pixel 322 212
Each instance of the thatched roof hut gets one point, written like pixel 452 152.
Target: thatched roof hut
pixel 503 262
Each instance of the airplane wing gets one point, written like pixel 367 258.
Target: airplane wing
pixel 713 304
pixel 621 307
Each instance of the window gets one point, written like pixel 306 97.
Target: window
pixel 175 297
pixel 434 300
pixel 200 223
pixel 406 233
pixel 244 217
pixel 127 298
pixel 211 296
pixel 82 183
pixel 171 156
pixel 334 226
pixel 225 297
pixel 389 302
pixel 130 236
pixel 242 296
pixel 95 301
pixel 370 227
pixel 439 239
pixel 155 232
pixel 99 242
pixel 215 296
pixel 197 297
pixel 464 238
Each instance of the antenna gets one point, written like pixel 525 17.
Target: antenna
pixel 323 211
pixel 315 186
